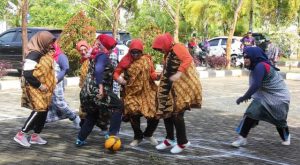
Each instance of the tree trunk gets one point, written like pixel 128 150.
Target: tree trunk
pixel 177 19
pixel 117 18
pixel 231 32
pixel 251 17
pixel 24 26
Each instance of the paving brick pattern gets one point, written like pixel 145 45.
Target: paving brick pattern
pixel 210 130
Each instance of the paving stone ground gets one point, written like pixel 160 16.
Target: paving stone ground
pixel 210 130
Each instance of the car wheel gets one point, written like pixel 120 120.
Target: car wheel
pixel 233 60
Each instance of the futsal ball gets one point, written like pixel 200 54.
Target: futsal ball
pixel 113 143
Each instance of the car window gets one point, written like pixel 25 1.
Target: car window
pixel 7 37
pixel 224 41
pixel 19 36
pixel 214 42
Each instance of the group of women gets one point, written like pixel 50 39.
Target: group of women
pixel 178 90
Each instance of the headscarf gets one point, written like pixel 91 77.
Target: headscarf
pixel 40 42
pixel 107 41
pixel 57 52
pixel 163 42
pixel 128 59
pixel 256 55
pixel 82 43
pixel 79 45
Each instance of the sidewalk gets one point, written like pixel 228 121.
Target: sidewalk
pixel 74 81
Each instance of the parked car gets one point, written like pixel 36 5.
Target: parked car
pixel 218 47
pixel 11 44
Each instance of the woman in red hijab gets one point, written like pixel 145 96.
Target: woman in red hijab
pixel 179 90
pixel 96 95
pixel 140 91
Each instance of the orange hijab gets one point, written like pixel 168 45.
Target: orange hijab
pixel 128 59
pixel 163 42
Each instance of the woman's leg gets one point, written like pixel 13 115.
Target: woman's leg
pixel 136 126
pixel 151 127
pixel 116 106
pixel 283 132
pixel 40 122
pixel 169 125
pixel 88 126
pixel 29 123
pixel 245 126
pixel 180 128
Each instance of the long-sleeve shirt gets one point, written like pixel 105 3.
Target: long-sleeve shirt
pixel 31 60
pixel 63 64
pixel 184 56
pixel 257 74
pixel 100 62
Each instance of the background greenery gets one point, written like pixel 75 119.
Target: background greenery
pixel 205 18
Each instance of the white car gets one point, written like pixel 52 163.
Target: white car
pixel 218 46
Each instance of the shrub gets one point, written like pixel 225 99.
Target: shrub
pixel 3 68
pixel 216 62
pixel 147 34
pixel 78 28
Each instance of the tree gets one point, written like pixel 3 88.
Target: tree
pixel 53 13
pixel 285 11
pixel 79 27
pixel 147 34
pixel 107 13
pixel 232 29
pixel 13 12
pixel 24 26
pixel 251 16
pixel 116 18
pixel 3 6
pixel 202 13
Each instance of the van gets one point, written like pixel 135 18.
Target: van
pixel 11 44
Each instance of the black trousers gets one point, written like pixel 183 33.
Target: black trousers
pixel 250 123
pixel 135 121
pixel 35 122
pixel 176 121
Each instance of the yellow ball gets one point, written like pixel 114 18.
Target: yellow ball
pixel 113 143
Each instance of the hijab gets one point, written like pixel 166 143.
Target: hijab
pixel 163 42
pixel 85 44
pixel 136 44
pixel 57 52
pixel 256 55
pixel 107 41
pixel 40 42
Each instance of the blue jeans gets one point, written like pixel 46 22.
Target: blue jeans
pixel 115 108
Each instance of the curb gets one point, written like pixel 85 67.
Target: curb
pixel 74 81
pixel 295 64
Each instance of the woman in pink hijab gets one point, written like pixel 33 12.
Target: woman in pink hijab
pixel 59 108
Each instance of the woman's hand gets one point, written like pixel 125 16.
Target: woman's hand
pixel 43 88
pixel 121 80
pixel 175 76
pixel 100 94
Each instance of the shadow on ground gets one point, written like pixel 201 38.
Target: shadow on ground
pixel 210 132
